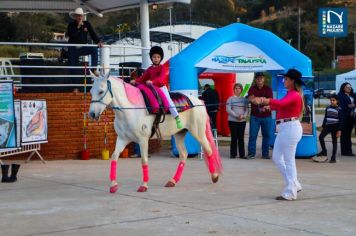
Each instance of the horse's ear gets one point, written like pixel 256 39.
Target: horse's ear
pixel 107 75
pixel 93 76
pixel 102 74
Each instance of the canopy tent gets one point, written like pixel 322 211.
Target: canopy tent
pixel 236 48
pixel 98 7
pixel 349 77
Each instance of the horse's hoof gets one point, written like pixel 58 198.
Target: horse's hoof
pixel 142 189
pixel 170 184
pixel 114 188
pixel 215 179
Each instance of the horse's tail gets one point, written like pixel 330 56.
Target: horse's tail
pixel 213 161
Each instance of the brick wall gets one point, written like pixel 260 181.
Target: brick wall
pixel 65 127
pixel 346 62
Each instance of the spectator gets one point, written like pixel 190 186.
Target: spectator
pixel 237 108
pixel 259 117
pixel 347 103
pixel 332 123
pixel 211 100
pixel 137 151
pixel 78 34
pixel 5 173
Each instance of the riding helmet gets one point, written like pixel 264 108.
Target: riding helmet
pixel 156 50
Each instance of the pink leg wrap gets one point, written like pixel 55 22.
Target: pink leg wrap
pixel 179 171
pixel 145 173
pixel 113 170
pixel 211 164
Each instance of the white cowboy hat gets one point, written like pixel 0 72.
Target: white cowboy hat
pixel 77 11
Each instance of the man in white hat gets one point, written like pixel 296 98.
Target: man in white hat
pixel 78 34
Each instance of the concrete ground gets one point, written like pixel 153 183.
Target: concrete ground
pixel 71 198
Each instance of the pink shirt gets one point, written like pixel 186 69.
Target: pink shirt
pixel 157 74
pixel 289 106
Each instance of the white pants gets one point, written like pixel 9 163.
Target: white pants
pixel 285 145
pixel 172 107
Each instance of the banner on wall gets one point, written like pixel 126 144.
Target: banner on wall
pixel 238 56
pixel 307 117
pixel 34 121
pixel 7 116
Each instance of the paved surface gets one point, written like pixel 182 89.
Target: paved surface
pixel 71 198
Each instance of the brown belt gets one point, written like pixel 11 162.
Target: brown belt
pixel 285 120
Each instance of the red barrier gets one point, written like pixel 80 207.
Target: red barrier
pixel 224 83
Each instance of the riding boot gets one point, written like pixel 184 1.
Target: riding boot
pixel 5 171
pixel 14 169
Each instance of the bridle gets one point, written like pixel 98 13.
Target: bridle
pixel 100 100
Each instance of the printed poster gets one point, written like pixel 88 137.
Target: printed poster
pixel 17 104
pixel 7 116
pixel 307 117
pixel 34 121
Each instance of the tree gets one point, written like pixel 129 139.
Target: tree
pixel 31 27
pixel 7 28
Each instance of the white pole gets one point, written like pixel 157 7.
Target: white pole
pixel 355 48
pixel 334 54
pixel 145 33
pixel 105 59
pixel 170 29
pixel 298 27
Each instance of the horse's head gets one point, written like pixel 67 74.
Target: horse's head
pixel 101 95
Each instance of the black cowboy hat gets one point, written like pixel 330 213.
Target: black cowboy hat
pixel 156 50
pixel 294 75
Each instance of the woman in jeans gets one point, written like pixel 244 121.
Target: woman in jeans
pixel 237 108
pixel 347 103
pixel 290 131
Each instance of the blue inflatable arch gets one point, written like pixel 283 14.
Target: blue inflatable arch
pixel 184 74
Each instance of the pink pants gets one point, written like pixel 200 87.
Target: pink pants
pixel 152 98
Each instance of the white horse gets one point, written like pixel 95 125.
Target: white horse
pixel 134 125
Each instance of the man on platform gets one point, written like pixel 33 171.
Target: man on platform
pixel 78 31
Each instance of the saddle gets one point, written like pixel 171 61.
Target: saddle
pixel 181 102
pixel 156 102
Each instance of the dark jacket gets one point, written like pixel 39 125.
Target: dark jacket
pixel 344 101
pixel 211 99
pixel 80 36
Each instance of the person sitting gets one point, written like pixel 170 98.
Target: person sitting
pixel 78 31
pixel 155 75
